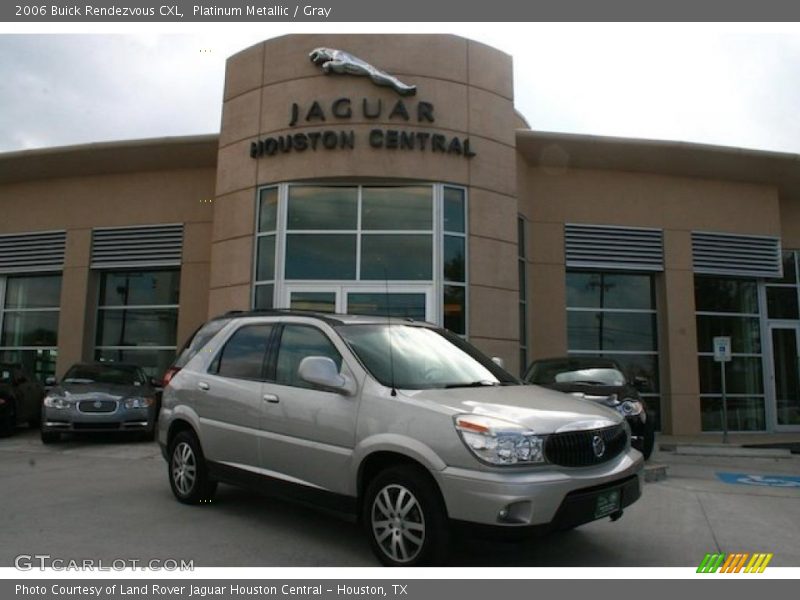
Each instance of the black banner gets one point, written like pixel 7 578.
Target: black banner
pixel 391 10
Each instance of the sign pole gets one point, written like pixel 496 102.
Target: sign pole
pixel 722 354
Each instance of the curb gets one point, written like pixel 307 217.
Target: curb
pixel 725 450
pixel 655 472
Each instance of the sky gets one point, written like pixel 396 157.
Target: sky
pixel 731 85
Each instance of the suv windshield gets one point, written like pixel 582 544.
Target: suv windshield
pixel 102 374
pixel 412 357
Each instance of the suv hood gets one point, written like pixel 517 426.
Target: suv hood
pixel 542 410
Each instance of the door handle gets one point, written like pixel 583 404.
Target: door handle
pixel 203 386
pixel 271 398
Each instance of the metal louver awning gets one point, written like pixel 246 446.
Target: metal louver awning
pixel 612 247
pixel 39 251
pixel 148 246
pixel 736 255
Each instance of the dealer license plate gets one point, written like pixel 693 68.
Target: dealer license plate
pixel 607 503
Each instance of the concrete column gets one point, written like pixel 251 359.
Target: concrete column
pixel 74 325
pixel 193 307
pixel 680 386
pixel 547 291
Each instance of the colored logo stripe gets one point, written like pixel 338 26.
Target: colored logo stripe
pixel 734 562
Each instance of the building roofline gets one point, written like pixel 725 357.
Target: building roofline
pixel 568 150
pixel 102 158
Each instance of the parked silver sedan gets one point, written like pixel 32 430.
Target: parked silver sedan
pixel 100 397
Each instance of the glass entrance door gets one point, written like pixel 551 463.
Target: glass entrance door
pixel 786 375
pixel 406 301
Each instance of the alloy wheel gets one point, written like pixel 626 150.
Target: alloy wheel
pixel 398 523
pixel 184 468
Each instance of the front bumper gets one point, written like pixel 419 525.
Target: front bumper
pixel 121 419
pixel 542 497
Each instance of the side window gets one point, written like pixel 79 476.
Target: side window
pixel 297 342
pixel 243 354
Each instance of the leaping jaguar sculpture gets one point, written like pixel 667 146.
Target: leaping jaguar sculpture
pixel 341 62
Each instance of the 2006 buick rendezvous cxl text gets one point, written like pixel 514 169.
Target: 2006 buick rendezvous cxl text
pixel 401 424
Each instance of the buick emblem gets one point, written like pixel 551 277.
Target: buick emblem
pixel 98 404
pixel 598 445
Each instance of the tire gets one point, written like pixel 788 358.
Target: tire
pixel 9 425
pixel 649 441
pixel 187 470
pixel 50 437
pixel 405 518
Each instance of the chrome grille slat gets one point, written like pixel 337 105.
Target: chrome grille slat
pixel 574 448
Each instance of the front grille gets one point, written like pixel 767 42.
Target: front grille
pixel 97 406
pixel 577 448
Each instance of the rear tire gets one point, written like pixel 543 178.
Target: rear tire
pixel 9 425
pixel 187 470
pixel 50 437
pixel 405 518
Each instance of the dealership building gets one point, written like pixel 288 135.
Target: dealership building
pixel 398 176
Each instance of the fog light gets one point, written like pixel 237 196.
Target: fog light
pixel 516 512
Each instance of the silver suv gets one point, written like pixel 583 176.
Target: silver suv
pixel 401 424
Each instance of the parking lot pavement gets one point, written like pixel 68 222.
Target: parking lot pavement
pixel 108 498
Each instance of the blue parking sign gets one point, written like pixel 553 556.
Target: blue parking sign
pixel 780 481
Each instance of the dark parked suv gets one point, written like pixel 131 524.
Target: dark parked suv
pixel 601 380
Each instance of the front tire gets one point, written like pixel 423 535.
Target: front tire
pixel 649 438
pixel 50 437
pixel 187 470
pixel 405 518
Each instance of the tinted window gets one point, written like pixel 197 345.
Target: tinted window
pixel 243 355
pixel 103 374
pixel 201 337
pixel 297 342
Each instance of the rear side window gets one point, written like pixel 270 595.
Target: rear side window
pixel 243 355
pixel 201 337
pixel 297 342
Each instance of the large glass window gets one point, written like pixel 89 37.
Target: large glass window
pixel 319 239
pixel 613 315
pixel 454 294
pixel 266 236
pixel 29 315
pixel 137 318
pixel 729 307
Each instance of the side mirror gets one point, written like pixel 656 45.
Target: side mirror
pixel 499 362
pixel 321 372
pixel 50 380
pixel 641 383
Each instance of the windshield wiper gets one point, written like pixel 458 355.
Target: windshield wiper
pixel 482 383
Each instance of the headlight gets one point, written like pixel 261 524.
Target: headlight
pixel 630 407
pixel 139 402
pixel 58 402
pixel 499 442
